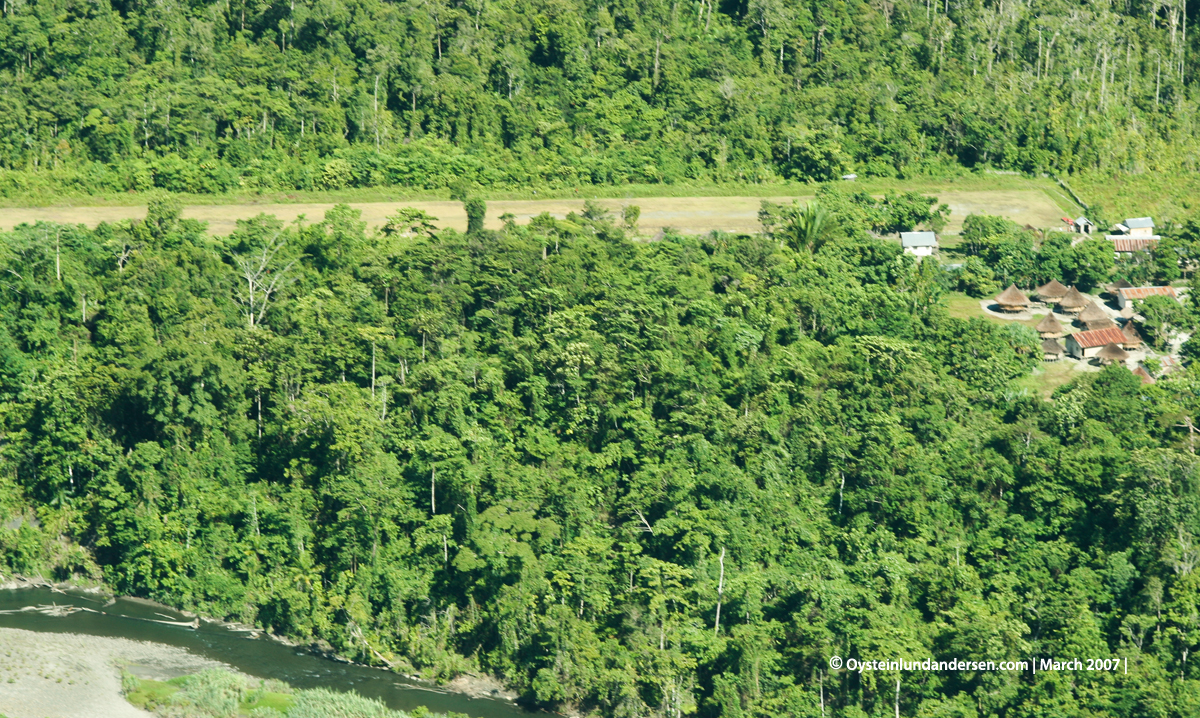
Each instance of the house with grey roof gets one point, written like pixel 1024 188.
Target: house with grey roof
pixel 920 244
pixel 1135 234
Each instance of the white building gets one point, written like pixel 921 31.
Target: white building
pixel 920 244
pixel 1127 296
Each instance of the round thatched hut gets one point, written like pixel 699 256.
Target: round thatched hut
pixel 1050 328
pixel 1052 350
pixel 1111 353
pixel 1133 340
pixel 1012 300
pixel 1073 301
pixel 1052 292
pixel 1144 375
pixel 1093 317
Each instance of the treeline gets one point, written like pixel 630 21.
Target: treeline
pixel 634 478
pixel 211 97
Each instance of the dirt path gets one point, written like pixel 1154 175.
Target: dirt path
pixel 688 214
pixel 66 675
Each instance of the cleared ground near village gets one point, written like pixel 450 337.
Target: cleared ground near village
pixel 687 214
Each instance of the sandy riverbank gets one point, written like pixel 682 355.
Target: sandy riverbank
pixel 66 675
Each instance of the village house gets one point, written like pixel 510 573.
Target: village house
pixel 1093 317
pixel 1052 350
pixel 1050 328
pixel 1073 301
pixel 1138 227
pixel 1133 340
pixel 1144 375
pixel 920 244
pixel 1114 287
pixel 1127 296
pixel 1012 299
pixel 1082 225
pixel 1051 292
pixel 1111 354
pixel 1087 344
pixel 1133 235
pixel 1132 245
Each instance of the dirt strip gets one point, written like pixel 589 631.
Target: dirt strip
pixel 694 215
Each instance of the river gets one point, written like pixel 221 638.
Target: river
pixel 256 656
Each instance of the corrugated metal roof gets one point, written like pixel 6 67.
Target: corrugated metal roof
pixel 918 239
pixel 1098 337
pixel 1143 292
pixel 1140 223
pixel 1121 244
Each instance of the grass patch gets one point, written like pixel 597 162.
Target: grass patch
pixel 960 306
pixel 267 699
pixel 148 694
pixel 1043 380
pixel 223 694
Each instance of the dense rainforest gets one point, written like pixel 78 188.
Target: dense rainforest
pixel 633 478
pixel 244 95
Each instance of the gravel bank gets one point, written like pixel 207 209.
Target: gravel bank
pixel 66 675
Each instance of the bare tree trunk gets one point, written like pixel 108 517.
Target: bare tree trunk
pixel 720 593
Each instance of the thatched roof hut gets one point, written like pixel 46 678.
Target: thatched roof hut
pixel 1051 292
pixel 1112 353
pixel 1050 328
pixel 1116 287
pixel 1144 375
pixel 1013 299
pixel 1133 340
pixel 1052 350
pixel 1073 301
pixel 1093 317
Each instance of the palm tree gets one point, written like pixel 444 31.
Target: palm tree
pixel 811 227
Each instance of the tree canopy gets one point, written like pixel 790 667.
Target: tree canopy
pixel 210 97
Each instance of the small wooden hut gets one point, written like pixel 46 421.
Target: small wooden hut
pixel 1012 300
pixel 1052 292
pixel 1111 353
pixel 1073 301
pixel 1144 375
pixel 1133 340
pixel 1093 317
pixel 1050 328
pixel 1052 350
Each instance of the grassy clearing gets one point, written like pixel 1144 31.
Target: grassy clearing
pixel 1048 377
pixel 961 306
